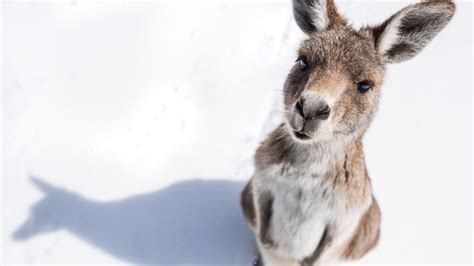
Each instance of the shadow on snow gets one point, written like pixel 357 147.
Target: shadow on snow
pixel 195 221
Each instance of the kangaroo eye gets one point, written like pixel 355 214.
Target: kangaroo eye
pixel 302 64
pixel 364 86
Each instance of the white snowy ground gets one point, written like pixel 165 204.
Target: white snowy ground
pixel 129 130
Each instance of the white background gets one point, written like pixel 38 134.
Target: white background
pixel 129 130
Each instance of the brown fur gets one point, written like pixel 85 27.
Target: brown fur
pixel 336 60
pixel 334 17
pixel 366 235
pixel 246 202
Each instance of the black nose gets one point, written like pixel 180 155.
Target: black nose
pixel 311 109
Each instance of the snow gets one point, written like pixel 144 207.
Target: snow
pixel 128 131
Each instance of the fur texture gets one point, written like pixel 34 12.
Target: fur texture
pixel 310 200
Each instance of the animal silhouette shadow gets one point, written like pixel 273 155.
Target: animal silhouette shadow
pixel 190 222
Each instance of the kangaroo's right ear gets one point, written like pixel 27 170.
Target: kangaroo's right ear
pixel 408 31
pixel 316 15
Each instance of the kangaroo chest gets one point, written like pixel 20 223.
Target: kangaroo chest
pixel 305 201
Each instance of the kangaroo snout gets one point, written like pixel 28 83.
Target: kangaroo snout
pixel 307 114
pixel 311 107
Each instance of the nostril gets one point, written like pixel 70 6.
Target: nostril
pixel 299 107
pixel 323 113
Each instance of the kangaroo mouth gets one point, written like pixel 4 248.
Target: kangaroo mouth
pixel 301 135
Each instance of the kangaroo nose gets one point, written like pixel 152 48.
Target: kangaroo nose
pixel 311 108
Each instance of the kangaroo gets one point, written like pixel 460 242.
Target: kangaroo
pixel 310 201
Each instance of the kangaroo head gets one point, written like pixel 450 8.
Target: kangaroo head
pixel 333 89
pixel 48 214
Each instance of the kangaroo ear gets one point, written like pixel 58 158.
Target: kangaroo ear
pixel 43 186
pixel 316 15
pixel 408 31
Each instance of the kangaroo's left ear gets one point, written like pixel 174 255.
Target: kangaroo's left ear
pixel 408 31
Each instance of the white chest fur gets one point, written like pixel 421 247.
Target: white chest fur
pixel 305 202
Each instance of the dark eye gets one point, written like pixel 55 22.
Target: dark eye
pixel 364 86
pixel 302 64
